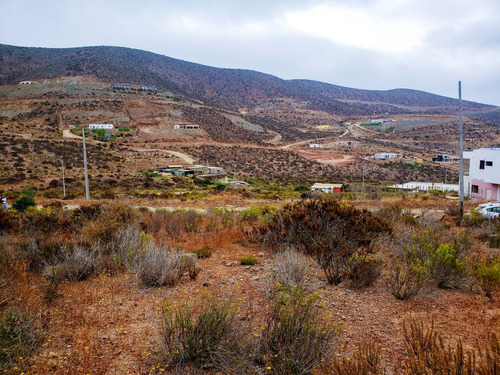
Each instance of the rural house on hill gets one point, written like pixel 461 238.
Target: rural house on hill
pixel 482 174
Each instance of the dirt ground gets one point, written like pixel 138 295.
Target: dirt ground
pixel 109 324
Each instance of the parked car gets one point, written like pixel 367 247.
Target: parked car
pixel 489 210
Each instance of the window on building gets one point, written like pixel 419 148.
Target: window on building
pixel 489 163
pixel 475 188
pixel 481 164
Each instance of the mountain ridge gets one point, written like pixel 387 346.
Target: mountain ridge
pixel 220 87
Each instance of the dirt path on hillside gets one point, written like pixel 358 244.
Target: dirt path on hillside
pixel 67 134
pixel 187 158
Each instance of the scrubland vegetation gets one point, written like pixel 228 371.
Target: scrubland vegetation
pixel 107 288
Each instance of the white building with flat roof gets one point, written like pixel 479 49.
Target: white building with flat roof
pixel 101 126
pixel 482 174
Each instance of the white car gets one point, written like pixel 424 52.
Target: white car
pixel 489 210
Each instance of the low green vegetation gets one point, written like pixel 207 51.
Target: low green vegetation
pixel 248 260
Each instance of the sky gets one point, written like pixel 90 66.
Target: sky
pixel 426 45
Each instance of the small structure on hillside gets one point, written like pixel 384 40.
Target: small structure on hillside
pixel 347 143
pixel 316 145
pixel 148 88
pixel 413 187
pixel 327 188
pixel 121 86
pixel 101 126
pixel 386 155
pixel 25 83
pixel 187 126
pixel 445 158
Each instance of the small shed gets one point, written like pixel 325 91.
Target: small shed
pixel 327 188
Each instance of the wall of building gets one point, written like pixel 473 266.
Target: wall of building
pixel 482 190
pixel 490 173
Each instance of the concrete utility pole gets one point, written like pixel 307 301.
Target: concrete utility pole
pixel 64 185
pixel 87 192
pixel 461 151
pixel 363 184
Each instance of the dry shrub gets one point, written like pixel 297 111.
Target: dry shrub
pixel 330 231
pixel 427 354
pixel 406 280
pixel 364 271
pixel 105 223
pixel 395 214
pixel 291 269
pixel 213 337
pixel 125 244
pixel 79 263
pixel 298 333
pixel 156 265
pixel 365 361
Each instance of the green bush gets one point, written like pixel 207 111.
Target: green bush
pixel 19 337
pixel 248 260
pixel 257 213
pixel 298 333
pixel 406 280
pixel 486 272
pixel 204 252
pixel 301 188
pixel 26 200
pixel 445 267
pixel 425 256
pixel 210 338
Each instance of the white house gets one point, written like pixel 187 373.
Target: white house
pixel 386 155
pixel 482 174
pixel 186 126
pixel 101 126
pixel 326 188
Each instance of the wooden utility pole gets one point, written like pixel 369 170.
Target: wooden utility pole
pixel 87 191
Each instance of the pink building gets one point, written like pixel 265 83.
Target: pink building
pixel 482 174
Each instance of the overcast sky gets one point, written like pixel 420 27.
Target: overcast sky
pixel 426 45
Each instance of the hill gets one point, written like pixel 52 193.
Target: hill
pixel 261 124
pixel 226 88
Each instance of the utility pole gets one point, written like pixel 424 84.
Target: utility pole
pixel 461 186
pixel 363 184
pixel 64 185
pixel 87 192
